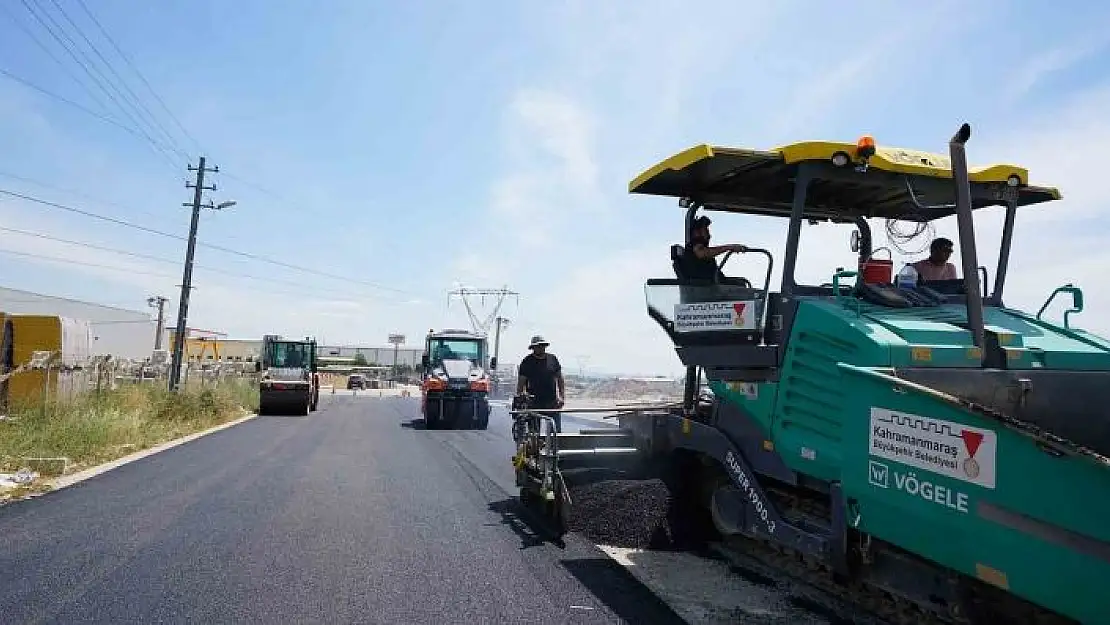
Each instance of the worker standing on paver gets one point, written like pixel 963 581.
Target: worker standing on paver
pixel 541 375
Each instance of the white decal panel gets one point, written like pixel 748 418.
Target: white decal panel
pixel 953 450
pixel 714 316
pixel 750 390
pixel 883 476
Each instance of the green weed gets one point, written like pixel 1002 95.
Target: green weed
pixel 98 427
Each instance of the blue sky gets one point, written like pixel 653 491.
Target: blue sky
pixel 418 145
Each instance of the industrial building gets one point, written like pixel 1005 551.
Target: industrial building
pixel 409 356
pixel 203 345
pixel 119 332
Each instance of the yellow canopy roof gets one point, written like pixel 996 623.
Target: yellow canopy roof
pixel 762 182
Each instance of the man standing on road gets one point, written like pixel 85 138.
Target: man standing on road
pixel 542 376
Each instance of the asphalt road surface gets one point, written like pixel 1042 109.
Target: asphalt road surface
pixel 355 514
pixel 352 515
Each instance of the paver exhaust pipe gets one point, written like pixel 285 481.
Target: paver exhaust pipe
pixel 966 225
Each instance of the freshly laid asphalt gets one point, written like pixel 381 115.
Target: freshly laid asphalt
pixel 355 514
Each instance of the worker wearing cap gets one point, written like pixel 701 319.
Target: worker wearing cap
pixel 541 375
pixel 701 264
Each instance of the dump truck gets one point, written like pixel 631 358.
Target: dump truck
pixel 289 381
pixel 924 450
pixel 455 389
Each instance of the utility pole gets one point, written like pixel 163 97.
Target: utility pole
pixel 187 278
pixel 158 302
pixel 500 323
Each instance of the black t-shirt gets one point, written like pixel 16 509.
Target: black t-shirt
pixel 540 374
pixel 699 268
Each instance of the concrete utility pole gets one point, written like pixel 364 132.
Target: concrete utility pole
pixel 158 302
pixel 500 322
pixel 187 278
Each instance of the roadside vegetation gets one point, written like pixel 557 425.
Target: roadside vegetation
pixel 98 427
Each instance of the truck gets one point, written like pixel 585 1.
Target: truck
pixel 289 381
pixel 456 381
pixel 922 449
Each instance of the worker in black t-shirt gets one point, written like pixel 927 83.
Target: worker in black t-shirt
pixel 541 375
pixel 701 261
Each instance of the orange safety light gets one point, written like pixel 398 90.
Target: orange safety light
pixel 865 147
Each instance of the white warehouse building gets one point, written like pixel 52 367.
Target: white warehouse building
pixel 120 332
pixel 374 355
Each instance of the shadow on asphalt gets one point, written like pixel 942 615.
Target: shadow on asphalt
pixel 605 579
pixel 525 523
pixel 609 582
pixel 415 424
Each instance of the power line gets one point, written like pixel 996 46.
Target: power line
pixel 68 261
pixel 65 100
pixel 128 129
pixel 19 24
pixel 90 214
pixel 260 188
pixel 168 261
pixel 91 246
pixel 135 99
pixel 97 80
pixel 130 270
pixel 88 66
pixel 54 187
pixel 127 60
pixel 136 103
pixel 128 224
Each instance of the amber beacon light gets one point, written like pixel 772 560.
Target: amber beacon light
pixel 865 147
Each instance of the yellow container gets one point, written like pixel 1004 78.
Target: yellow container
pixel 7 360
pixel 69 339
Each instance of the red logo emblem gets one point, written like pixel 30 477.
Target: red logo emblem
pixel 972 440
pixel 739 308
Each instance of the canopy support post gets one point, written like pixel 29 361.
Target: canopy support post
pixel 794 233
pixel 1004 249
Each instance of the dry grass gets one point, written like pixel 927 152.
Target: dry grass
pixel 100 427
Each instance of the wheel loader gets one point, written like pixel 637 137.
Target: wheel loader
pixel 924 449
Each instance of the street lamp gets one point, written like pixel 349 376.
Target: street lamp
pixel 223 205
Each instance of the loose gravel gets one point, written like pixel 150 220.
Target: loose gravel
pixel 633 514
pixel 642 522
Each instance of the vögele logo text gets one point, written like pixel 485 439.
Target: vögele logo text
pixel 881 475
